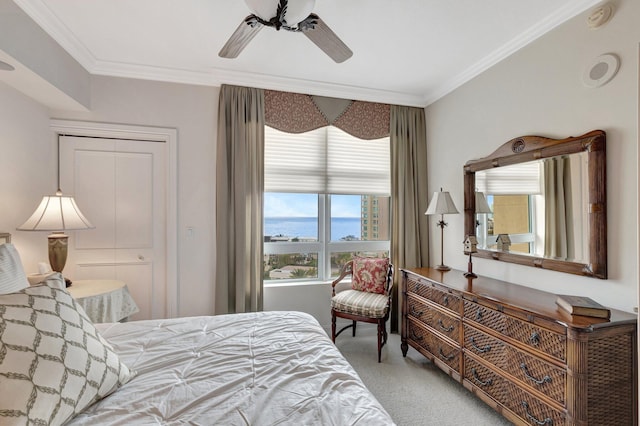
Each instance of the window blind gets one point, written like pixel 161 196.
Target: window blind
pixel 326 161
pixel 524 178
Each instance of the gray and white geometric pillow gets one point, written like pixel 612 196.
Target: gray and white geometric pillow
pixel 53 362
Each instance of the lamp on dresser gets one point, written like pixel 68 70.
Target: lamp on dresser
pixel 441 203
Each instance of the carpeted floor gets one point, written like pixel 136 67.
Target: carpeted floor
pixel 412 390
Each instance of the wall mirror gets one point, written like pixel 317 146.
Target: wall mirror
pixel 541 202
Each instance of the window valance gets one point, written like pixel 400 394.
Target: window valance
pixel 299 113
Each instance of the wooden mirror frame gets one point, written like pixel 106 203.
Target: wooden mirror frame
pixel 529 148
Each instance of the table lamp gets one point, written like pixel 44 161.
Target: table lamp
pixel 57 213
pixel 441 203
pixel 481 205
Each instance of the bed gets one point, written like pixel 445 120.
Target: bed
pixel 264 368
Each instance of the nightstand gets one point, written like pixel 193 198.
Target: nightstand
pixel 104 300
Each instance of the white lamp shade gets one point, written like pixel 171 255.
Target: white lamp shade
pixel 481 203
pixel 441 203
pixel 297 10
pixel 56 213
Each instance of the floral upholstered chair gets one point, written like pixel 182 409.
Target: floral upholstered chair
pixel 368 300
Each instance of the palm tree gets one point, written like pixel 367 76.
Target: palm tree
pixel 298 273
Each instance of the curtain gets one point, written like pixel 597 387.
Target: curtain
pixel 409 198
pixel 239 194
pixel 559 238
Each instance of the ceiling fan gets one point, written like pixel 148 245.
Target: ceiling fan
pixel 290 15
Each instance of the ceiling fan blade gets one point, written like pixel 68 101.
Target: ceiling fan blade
pixel 323 37
pixel 245 32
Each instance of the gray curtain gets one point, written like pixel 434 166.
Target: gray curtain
pixel 559 238
pixel 239 195
pixel 409 198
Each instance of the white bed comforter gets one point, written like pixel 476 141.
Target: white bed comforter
pixel 265 368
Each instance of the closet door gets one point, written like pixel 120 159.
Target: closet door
pixel 119 185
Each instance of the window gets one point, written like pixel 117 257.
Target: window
pixel 514 194
pixel 513 215
pixel 320 190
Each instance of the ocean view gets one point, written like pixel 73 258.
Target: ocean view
pixel 307 227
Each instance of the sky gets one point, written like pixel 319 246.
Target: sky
pixel 306 205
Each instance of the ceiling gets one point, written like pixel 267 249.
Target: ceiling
pixel 409 52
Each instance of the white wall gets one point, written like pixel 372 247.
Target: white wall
pixel 538 90
pixel 27 151
pixel 28 169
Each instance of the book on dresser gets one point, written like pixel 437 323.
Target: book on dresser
pixel 582 305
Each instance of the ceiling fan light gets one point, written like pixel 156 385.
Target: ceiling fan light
pixel 297 10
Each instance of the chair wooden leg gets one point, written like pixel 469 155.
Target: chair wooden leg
pixel 333 326
pixel 384 332
pixel 354 329
pixel 380 332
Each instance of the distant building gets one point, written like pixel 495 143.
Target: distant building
pixel 374 224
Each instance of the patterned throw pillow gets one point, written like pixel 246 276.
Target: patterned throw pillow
pixel 12 277
pixel 370 274
pixel 53 362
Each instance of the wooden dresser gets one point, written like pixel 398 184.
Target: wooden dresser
pixel 515 349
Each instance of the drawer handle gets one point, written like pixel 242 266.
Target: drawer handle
pixel 445 300
pixel 534 339
pixel 415 313
pixel 486 348
pixel 446 357
pixel 446 329
pixel 414 336
pixel 479 315
pixel 546 421
pixel 488 382
pixel 545 379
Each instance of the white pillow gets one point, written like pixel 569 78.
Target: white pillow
pixel 53 362
pixel 12 276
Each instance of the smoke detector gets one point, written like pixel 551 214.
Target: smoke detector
pixel 600 16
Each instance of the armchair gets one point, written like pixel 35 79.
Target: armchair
pixel 368 300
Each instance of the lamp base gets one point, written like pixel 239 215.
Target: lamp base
pixel 443 268
pixel 470 275
pixel 58 243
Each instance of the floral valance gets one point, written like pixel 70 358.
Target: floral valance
pixel 298 113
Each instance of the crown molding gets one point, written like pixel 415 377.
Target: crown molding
pixel 319 88
pixel 217 77
pixel 567 12
pixel 49 22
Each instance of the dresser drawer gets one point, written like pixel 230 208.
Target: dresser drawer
pixel 547 341
pixel 489 381
pixel 531 409
pixel 537 374
pixel 417 286
pixel 440 349
pixel 432 291
pixel 446 298
pixel 486 347
pixel 445 324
